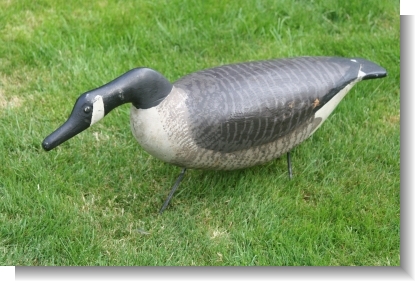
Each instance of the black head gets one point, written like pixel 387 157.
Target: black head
pixel 88 109
pixel 143 87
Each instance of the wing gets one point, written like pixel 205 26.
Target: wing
pixel 235 107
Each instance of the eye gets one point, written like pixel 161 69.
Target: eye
pixel 87 109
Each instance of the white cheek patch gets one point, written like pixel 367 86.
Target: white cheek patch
pixel 98 110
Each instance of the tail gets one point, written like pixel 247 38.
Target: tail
pixel 370 70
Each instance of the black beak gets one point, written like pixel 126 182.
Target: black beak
pixel 73 126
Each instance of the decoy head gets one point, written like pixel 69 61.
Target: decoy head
pixel 88 109
pixel 143 87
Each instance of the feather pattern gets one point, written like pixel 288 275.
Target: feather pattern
pixel 239 106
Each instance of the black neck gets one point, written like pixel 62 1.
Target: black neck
pixel 143 87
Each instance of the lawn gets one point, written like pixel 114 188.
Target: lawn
pixel 94 200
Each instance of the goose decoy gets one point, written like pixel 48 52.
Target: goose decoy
pixel 228 117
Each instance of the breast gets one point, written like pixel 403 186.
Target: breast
pixel 240 115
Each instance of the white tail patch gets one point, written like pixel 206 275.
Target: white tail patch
pixel 98 110
pixel 360 74
pixel 328 108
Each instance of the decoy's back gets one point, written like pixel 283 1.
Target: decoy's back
pixel 249 113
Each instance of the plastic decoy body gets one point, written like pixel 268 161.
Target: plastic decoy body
pixel 229 117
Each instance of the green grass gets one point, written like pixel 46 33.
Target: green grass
pixel 94 200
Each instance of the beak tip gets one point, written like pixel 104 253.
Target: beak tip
pixel 46 145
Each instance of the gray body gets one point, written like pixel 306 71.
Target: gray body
pixel 240 115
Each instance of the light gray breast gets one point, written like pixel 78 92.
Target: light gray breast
pixel 238 106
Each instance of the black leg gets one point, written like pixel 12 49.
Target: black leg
pixel 290 171
pixel 173 189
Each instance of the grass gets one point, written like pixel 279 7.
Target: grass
pixel 94 200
